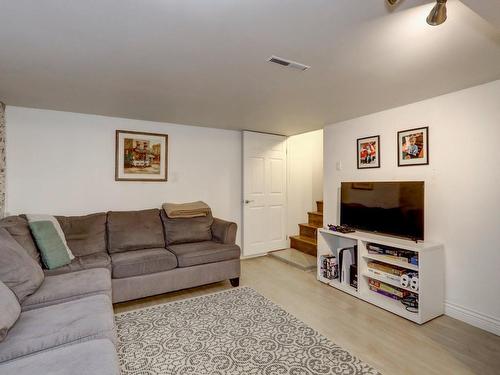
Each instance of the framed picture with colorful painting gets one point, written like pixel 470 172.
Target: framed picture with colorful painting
pixel 141 156
pixel 413 147
pixel 368 151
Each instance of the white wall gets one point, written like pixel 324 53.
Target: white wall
pixel 64 163
pixel 462 187
pixel 305 177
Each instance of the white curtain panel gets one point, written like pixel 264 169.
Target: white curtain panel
pixel 2 160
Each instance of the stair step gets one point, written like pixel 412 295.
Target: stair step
pixel 315 226
pixel 315 218
pixel 305 244
pixel 319 206
pixel 307 230
pixel 309 240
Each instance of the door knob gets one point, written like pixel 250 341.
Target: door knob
pixel 248 201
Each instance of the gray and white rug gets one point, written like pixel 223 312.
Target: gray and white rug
pixel 235 332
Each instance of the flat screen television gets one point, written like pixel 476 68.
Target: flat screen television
pixel 394 208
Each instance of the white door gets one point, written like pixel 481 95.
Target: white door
pixel 264 193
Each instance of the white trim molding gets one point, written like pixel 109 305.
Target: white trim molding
pixel 2 160
pixel 474 318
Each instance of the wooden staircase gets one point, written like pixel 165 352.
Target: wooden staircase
pixel 306 240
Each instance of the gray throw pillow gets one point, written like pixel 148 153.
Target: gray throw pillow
pixel 9 310
pixel 17 269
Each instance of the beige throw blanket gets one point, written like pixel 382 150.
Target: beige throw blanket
pixel 186 210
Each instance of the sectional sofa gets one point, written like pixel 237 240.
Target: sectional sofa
pixel 66 325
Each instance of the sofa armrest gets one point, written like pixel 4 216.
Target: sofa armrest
pixel 224 231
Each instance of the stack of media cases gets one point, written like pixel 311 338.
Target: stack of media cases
pixel 329 267
pixel 404 256
pixel 394 282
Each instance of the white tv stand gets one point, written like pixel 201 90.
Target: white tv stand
pixel 430 268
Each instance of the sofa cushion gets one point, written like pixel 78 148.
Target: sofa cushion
pixel 52 248
pixel 194 229
pixel 90 357
pixel 85 234
pixel 97 260
pixel 135 230
pixel 142 262
pixel 19 229
pixel 192 254
pixel 9 310
pixel 20 272
pixel 69 286
pixel 57 325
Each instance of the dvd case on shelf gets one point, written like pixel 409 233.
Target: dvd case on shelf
pixel 329 267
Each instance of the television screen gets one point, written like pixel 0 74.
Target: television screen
pixel 394 208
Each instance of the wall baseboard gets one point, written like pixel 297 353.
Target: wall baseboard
pixel 473 318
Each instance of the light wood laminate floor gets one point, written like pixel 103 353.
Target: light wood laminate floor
pixel 387 342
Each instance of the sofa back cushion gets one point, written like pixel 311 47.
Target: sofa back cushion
pixel 9 308
pixel 18 270
pixel 85 235
pixel 134 230
pixel 186 230
pixel 19 229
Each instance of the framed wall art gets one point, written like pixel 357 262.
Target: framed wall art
pixel 141 156
pixel 368 151
pixel 413 147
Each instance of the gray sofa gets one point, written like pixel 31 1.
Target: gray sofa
pixel 66 326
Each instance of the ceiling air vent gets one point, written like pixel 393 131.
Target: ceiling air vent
pixel 288 63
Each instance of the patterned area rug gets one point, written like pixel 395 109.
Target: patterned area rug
pixel 235 332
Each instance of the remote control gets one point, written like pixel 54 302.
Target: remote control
pixel 341 228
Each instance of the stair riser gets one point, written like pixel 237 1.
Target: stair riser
pixel 307 231
pixel 319 206
pixel 303 246
pixel 315 219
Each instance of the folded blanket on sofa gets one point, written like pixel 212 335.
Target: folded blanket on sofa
pixel 186 210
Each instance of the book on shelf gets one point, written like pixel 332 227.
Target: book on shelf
pixel 385 275
pixel 405 256
pixel 384 293
pixel 379 285
pixel 414 260
pixel 393 257
pixel 387 268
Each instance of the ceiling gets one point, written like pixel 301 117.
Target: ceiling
pixel 204 63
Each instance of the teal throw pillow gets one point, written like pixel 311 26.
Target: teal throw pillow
pixel 52 248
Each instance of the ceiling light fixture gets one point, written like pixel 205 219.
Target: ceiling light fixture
pixel 438 14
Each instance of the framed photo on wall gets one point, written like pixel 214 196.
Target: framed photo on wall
pixel 141 156
pixel 413 147
pixel 368 151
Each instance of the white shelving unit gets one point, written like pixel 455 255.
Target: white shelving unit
pixel 430 270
